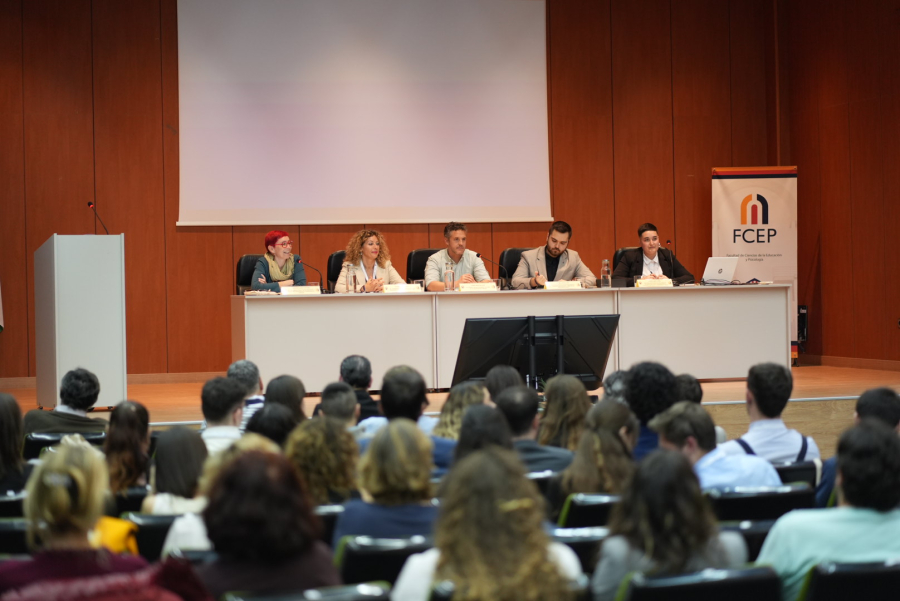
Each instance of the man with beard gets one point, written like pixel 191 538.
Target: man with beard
pixel 552 262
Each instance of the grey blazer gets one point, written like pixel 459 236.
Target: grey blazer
pixel 387 273
pixel 570 268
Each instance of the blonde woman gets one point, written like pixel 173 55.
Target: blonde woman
pixel 369 259
pixel 461 397
pixel 325 454
pixel 564 418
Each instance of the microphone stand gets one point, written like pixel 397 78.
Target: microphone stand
pixel 508 280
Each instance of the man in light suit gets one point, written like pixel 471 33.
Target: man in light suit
pixel 553 261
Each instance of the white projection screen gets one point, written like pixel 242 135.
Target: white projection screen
pixel 362 111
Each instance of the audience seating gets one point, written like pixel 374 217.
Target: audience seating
pixel 444 590
pixel 372 591
pixel 196 557
pixel 840 581
pixel 416 261
pixel 243 277
pixel 367 559
pixel 333 267
pixel 586 510
pixel 131 500
pixel 11 506
pixel 585 542
pixel 328 514
pixel 541 479
pixel 800 471
pixel 509 258
pixel 754 533
pixel 761 502
pixel 12 536
pixel 151 534
pixel 35 442
pixel 620 252
pixel 751 584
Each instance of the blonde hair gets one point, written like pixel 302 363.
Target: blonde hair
pixel 461 397
pixel 396 468
pixel 354 247
pixel 567 406
pixel 66 493
pixel 215 463
pixel 325 454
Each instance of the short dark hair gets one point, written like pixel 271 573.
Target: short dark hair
pixel 519 405
pixel 880 403
pixel 501 377
pixel 454 226
pixel 10 436
pixel 482 427
pixel 273 421
pixel 646 227
pixel 179 457
pixel 246 372
pixel 288 391
pixel 687 388
pixel 771 385
pixel 356 371
pixel 79 389
pixel 560 226
pixel 649 390
pixel 220 396
pixel 868 461
pixel 683 419
pixel 403 393
pixel 339 401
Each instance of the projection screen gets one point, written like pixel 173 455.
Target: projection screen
pixel 362 111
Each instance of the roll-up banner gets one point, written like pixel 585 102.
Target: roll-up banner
pixel 754 218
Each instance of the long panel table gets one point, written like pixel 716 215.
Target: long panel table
pixel 710 332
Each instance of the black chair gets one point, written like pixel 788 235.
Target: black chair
pixel 366 559
pixel 751 584
pixel 620 252
pixel 840 581
pixel 761 502
pixel 509 259
pixel 541 480
pixel 586 510
pixel 11 505
pixel 585 542
pixel 328 514
pixel 333 267
pixel 35 443
pixel 415 263
pixel 151 534
pixel 373 591
pixel 243 277
pixel 799 471
pixel 754 533
pixel 131 500
pixel 12 536
pixel 444 590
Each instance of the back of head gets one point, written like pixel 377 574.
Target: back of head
pixel 356 371
pixel 339 401
pixel 65 494
pixel 216 463
pixel 649 389
pixel 325 454
pixel 125 445
pixel 403 393
pixel 565 412
pixel 10 435
pixel 178 460
pixel 519 405
pixel 603 461
pixel 288 391
pixel 685 419
pixel 612 416
pixel 258 510
pixel 79 389
pixel 220 397
pixel 396 467
pixel 461 397
pixel 880 403
pixel 771 385
pixel 614 386
pixel 273 421
pixel 688 388
pixel 501 377
pixel 868 464
pixel 482 427
pixel 247 374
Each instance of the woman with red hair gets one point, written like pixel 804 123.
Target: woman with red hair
pixel 279 267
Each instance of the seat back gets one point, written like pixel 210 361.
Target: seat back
pixel 445 590
pixel 761 502
pixel 415 263
pixel 367 559
pixel 35 443
pixel 372 591
pixel 509 258
pixel 541 479
pixel 244 273
pixel 328 514
pixel 753 531
pixel 151 534
pixel 586 510
pixel 751 584
pixel 12 536
pixel 11 506
pixel 131 500
pixel 333 267
pixel 840 581
pixel 585 542
pixel 799 471
pixel 620 252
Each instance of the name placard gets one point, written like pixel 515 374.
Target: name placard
pixel 478 287
pixel 402 288
pixel 299 290
pixel 652 283
pixel 565 285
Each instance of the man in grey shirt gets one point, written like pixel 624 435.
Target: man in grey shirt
pixel 467 267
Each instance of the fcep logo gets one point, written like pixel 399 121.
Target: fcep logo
pixel 755 211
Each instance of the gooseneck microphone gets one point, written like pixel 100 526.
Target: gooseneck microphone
pixel 508 281
pixel 321 279
pixel 94 209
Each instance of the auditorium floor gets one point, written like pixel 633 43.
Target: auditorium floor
pixel 814 409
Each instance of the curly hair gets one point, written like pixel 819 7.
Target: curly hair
pixel 490 535
pixel 396 468
pixel 650 389
pixel 567 407
pixel 354 247
pixel 325 454
pixel 461 397
pixel 126 445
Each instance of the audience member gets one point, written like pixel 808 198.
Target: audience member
pixel 339 403
pixel 489 539
pixel 519 404
pixel 357 372
pixel 126 446
pixel 649 390
pixel 482 426
pixel 78 392
pixel 501 377
pixel 175 473
pixel 878 403
pixel 325 454
pixel 567 404
pixel 663 526
pixel 461 397
pixel 395 482
pixel 65 498
pixel 686 427
pixel 246 373
pixel 769 387
pixel 614 386
pixel 263 529
pixel 288 391
pixel 273 421
pixel 223 409
pixel 689 389
pixel 865 527
pixel 14 471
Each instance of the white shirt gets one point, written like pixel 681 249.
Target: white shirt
pixel 219 438
pixel 773 441
pixel 66 409
pixel 369 426
pixel 651 266
pixel 719 470
pixel 188 533
pixel 468 263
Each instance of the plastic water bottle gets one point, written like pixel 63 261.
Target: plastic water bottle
pixel 449 277
pixel 605 276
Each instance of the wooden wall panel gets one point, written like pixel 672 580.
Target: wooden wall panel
pixel 400 240
pixel 14 343
pixel 890 109
pixel 318 242
pixel 748 28
pixel 250 240
pixel 58 126
pixel 128 164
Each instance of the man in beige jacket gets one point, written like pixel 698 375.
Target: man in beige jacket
pixel 553 261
